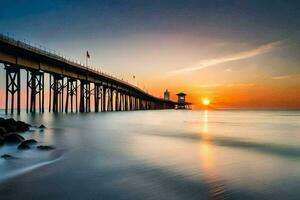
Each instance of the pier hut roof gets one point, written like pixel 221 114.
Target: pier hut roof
pixel 181 94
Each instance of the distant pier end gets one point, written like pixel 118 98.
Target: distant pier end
pixel 181 103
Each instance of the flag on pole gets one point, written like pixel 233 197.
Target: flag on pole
pixel 87 54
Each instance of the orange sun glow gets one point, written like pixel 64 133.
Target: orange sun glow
pixel 205 102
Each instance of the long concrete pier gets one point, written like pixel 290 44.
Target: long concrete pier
pixel 71 85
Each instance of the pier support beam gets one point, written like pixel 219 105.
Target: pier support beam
pixel 97 96
pixel 13 87
pixel 103 98
pixel 116 100
pixel 108 93
pixel 126 102
pixel 57 91
pixel 35 86
pixel 85 94
pixel 111 101
pixel 72 90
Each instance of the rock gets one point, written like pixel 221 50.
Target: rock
pixel 2 121
pixel 3 130
pixel 10 125
pixel 42 126
pixel 23 146
pixel 45 147
pixel 30 141
pixel 6 156
pixel 22 126
pixel 1 140
pixel 13 138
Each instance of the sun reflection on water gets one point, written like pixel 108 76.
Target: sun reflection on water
pixel 208 160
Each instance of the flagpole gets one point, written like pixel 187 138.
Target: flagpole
pixel 86 60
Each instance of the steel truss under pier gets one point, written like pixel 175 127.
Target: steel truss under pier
pixel 35 84
pixel 13 87
pixel 56 93
pixel 71 94
pixel 85 94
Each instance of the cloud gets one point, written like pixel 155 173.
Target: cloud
pixel 281 77
pixel 286 76
pixel 227 85
pixel 238 56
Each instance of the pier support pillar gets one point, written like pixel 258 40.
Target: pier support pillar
pixel 85 94
pixel 72 90
pixel 116 100
pixel 103 98
pixel 35 86
pixel 57 91
pixel 126 102
pixel 97 96
pixel 13 87
pixel 111 99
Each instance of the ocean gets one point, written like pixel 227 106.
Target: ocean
pixel 163 154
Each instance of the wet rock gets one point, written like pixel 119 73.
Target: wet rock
pixel 30 141
pixel 23 146
pixel 1 140
pixel 5 156
pixel 10 125
pixel 3 131
pixel 22 126
pixel 45 147
pixel 13 138
pixel 42 126
pixel 2 121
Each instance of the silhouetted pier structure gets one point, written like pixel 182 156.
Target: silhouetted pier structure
pixel 181 102
pixel 68 81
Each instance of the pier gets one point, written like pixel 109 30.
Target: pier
pixel 71 84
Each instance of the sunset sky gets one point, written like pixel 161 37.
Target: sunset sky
pixel 238 54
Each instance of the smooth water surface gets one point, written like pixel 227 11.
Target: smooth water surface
pixel 157 155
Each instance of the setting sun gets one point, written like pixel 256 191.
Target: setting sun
pixel 205 102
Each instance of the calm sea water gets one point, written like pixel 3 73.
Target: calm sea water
pixel 158 155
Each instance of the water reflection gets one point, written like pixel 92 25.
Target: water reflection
pixel 208 160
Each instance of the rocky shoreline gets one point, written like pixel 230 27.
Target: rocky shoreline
pixel 10 130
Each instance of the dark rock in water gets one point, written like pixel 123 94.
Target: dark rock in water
pixel 10 125
pixel 30 141
pixel 23 146
pixel 22 126
pixel 45 147
pixel 13 138
pixel 1 140
pixel 42 126
pixel 6 156
pixel 2 122
pixel 3 130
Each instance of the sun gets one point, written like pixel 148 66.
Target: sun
pixel 205 102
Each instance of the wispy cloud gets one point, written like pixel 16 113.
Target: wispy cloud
pixel 226 85
pixel 286 76
pixel 238 56
pixel 281 77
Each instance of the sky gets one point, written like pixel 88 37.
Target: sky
pixel 236 53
